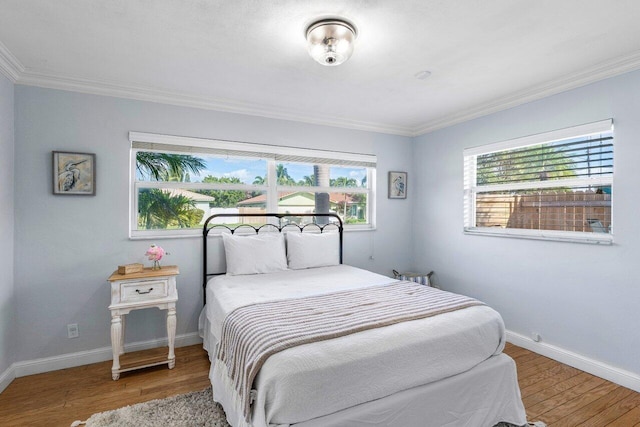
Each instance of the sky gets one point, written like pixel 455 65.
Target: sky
pixel 247 170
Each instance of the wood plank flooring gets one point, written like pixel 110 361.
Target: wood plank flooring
pixel 58 398
pixel 552 392
pixel 563 396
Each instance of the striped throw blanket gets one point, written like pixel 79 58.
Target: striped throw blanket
pixel 252 333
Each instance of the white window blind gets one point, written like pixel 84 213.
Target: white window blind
pixel 556 185
pixel 180 144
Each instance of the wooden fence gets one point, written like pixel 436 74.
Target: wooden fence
pixel 566 211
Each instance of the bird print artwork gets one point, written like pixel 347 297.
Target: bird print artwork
pixel 73 173
pixel 69 176
pixel 397 185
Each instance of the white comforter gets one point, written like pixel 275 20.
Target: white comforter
pixel 316 379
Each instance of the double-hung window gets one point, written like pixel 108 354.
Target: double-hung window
pixel 178 182
pixel 556 185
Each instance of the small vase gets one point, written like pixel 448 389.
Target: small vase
pixel 156 265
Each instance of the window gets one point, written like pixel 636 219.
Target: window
pixel 178 182
pixel 556 185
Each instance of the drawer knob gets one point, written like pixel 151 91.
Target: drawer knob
pixel 142 293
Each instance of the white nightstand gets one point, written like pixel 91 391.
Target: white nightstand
pixel 149 288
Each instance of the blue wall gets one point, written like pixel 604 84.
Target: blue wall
pixel 66 247
pixel 579 297
pixel 7 300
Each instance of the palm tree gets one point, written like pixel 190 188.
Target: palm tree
pixel 167 167
pixel 159 209
pixel 225 198
pixel 343 181
pixel 283 175
pixel 308 181
pixel 259 180
pixel 526 164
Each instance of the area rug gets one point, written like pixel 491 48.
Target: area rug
pixel 195 409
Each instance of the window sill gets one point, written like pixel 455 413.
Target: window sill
pixel 550 235
pixel 164 234
pixel 197 233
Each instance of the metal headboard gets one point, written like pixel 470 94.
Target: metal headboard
pixel 207 228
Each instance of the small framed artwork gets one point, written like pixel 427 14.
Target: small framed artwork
pixel 397 185
pixel 74 173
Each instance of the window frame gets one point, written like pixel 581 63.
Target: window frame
pixel 272 154
pixel 471 189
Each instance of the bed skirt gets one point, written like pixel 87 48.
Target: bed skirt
pixel 483 396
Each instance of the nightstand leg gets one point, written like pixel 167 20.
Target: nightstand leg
pixel 171 334
pixel 116 337
pixel 124 328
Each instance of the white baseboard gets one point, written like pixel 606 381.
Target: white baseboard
pixel 37 366
pixel 47 364
pixel 7 376
pixel 611 373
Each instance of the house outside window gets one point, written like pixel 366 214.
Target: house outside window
pixel 556 185
pixel 178 182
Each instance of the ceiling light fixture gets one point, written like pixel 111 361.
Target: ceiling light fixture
pixel 330 41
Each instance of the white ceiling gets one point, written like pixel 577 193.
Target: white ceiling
pixel 249 56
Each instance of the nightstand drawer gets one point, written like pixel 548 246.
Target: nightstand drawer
pixel 142 291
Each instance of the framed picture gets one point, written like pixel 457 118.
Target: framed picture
pixel 74 173
pixel 397 185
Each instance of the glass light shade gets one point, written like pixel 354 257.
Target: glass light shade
pixel 330 42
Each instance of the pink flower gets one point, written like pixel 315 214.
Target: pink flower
pixel 155 253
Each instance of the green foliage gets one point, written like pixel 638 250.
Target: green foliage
pixel 343 181
pixel 225 198
pixel 359 199
pixel 521 165
pixel 308 181
pixel 284 178
pixel 283 175
pixel 353 220
pixel 158 209
pixel 168 167
pixel 194 216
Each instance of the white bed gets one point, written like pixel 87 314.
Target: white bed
pixel 446 370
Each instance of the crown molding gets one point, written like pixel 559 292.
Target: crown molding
pixel 11 67
pixel 9 64
pixel 601 71
pixel 143 93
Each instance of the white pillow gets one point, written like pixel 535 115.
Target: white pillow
pixel 309 250
pixel 254 254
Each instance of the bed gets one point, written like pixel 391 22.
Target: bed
pixel 445 368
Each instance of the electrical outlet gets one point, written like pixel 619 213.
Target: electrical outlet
pixel 72 330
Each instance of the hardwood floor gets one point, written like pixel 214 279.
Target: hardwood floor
pixel 552 392
pixel 58 398
pixel 563 396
